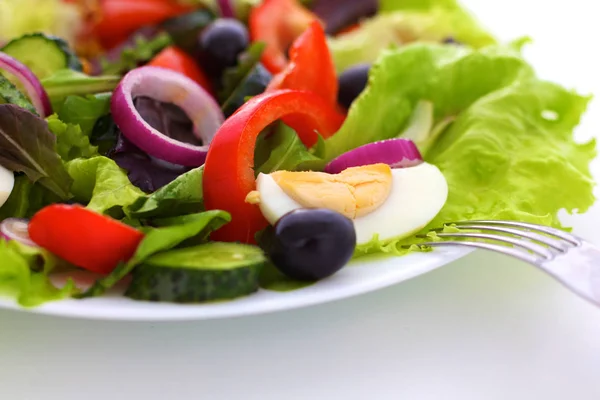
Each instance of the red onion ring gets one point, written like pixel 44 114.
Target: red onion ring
pixel 172 87
pixel 16 229
pixel 226 8
pixel 397 153
pixel 33 87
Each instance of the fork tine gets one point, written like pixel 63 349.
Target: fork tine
pixel 555 244
pixel 510 251
pixel 545 229
pixel 533 247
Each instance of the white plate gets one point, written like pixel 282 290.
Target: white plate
pixel 357 278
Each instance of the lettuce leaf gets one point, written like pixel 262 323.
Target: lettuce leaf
pixel 451 77
pixel 24 275
pixel 398 28
pixel 71 142
pixel 85 111
pixel 26 199
pixel 102 185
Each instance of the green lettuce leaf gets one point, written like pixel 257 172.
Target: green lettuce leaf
pixel 398 28
pixel 24 275
pixel 182 196
pixel 66 82
pixel 28 146
pixel 287 152
pixel 450 77
pixel 26 199
pixel 85 111
pixel 158 240
pixel 102 185
pixel 71 142
pixel 421 5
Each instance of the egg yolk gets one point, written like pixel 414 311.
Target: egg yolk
pixel 355 192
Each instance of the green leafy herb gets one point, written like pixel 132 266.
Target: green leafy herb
pixel 451 77
pixel 159 240
pixel 141 51
pixel 26 199
pixel 67 82
pixel 102 185
pixel 246 79
pixel 24 275
pixel 11 95
pixel 71 142
pixel 85 111
pixel 27 145
pixel 182 196
pixel 287 152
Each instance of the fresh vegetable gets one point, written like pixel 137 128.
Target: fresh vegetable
pixel 65 83
pixel 222 42
pixel 11 95
pixel 26 145
pixel 339 14
pixel 166 86
pixel 26 199
pixel 71 142
pixel 84 111
pixel 16 229
pixel 144 171
pixel 228 175
pixel 310 244
pixel 195 226
pixel 7 184
pixel 82 237
pixel 212 271
pixel 278 23
pixel 177 60
pixel 36 93
pixel 180 197
pixel 311 67
pixel 420 126
pixel 397 153
pixel 184 29
pixel 120 18
pixel 43 54
pixel 352 82
pixel 226 8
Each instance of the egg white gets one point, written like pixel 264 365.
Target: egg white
pixel 416 197
pixel 7 183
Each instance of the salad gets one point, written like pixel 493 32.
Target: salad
pixel 204 150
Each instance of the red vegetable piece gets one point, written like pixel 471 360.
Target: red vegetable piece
pixel 278 23
pixel 228 173
pixel 84 238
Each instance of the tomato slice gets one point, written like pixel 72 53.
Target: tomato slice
pixel 84 238
pixel 177 60
pixel 228 171
pixel 278 23
pixel 120 18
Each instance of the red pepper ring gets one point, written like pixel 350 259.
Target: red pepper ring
pixel 228 171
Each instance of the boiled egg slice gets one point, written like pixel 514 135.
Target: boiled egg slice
pixel 389 203
pixel 7 183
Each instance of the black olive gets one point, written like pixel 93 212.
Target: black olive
pixel 222 42
pixel 352 82
pixel 310 244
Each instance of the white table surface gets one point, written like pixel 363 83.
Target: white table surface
pixel 483 328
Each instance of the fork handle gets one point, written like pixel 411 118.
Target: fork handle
pixel 579 270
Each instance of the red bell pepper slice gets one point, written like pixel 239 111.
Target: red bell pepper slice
pixel 278 23
pixel 228 171
pixel 120 18
pixel 84 238
pixel 311 66
pixel 175 59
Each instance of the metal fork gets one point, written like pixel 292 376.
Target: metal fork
pixel 569 259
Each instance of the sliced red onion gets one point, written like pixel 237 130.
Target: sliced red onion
pixel 169 87
pixel 16 229
pixel 397 153
pixel 32 85
pixel 227 10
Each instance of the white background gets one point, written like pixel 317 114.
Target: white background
pixel 483 328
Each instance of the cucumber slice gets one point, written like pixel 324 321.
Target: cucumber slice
pixel 212 271
pixel 43 54
pixel 10 94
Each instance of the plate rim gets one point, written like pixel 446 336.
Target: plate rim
pixel 301 298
